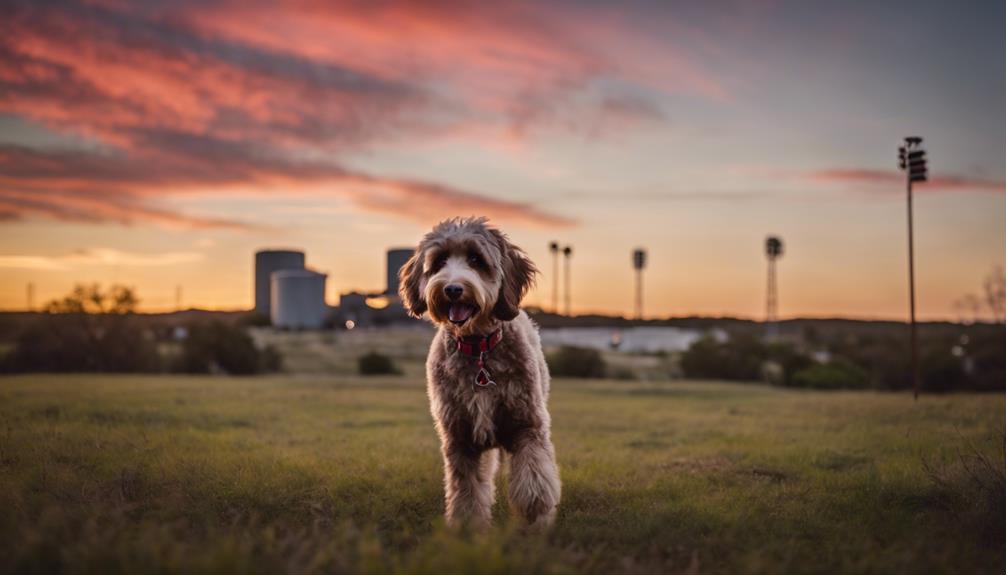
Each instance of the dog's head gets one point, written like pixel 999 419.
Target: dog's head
pixel 466 274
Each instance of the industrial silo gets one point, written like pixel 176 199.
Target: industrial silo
pixel 298 299
pixel 396 259
pixel 267 262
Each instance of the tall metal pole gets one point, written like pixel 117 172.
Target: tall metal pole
pixel 554 248
pixel 639 293
pixel 638 263
pixel 567 252
pixel 770 300
pixel 912 159
pixel 773 250
pixel 911 295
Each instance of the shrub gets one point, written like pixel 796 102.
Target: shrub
pixel 740 358
pixel 790 359
pixel 989 360
pixel 256 319
pixel 375 363
pixel 744 357
pixel 835 375
pixel 218 346
pixel 569 361
pixel 89 330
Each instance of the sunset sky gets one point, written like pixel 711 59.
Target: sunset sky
pixel 160 144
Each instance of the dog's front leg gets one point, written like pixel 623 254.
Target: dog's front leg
pixel 468 483
pixel 534 479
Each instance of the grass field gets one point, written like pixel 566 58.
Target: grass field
pixel 339 474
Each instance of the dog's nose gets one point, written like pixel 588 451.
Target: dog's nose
pixel 453 291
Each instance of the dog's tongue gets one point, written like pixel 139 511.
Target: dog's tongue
pixel 460 311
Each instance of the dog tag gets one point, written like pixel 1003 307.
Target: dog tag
pixel 482 378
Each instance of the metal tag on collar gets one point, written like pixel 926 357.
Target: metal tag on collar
pixel 482 378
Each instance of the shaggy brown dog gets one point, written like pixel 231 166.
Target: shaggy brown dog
pixel 486 374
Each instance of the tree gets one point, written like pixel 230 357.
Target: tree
pixel 995 294
pixel 90 299
pixel 218 346
pixel 90 329
pixel 968 308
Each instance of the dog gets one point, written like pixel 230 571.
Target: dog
pixel 487 379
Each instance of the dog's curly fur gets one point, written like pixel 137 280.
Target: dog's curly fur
pixel 474 423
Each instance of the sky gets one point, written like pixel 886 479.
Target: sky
pixel 159 144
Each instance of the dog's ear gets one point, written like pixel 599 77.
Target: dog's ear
pixel 409 278
pixel 518 277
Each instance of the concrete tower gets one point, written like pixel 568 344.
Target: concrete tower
pixel 396 259
pixel 267 262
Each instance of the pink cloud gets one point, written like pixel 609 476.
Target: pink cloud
pixel 228 97
pixel 936 183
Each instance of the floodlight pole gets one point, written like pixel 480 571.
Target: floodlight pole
pixel 638 263
pixel 639 293
pixel 773 251
pixel 912 159
pixel 554 248
pixel 911 295
pixel 567 253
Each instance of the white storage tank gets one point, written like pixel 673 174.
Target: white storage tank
pixel 298 299
pixel 267 262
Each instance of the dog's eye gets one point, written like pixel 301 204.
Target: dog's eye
pixel 475 260
pixel 438 263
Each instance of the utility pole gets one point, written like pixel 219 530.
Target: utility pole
pixel 554 248
pixel 912 159
pixel 31 296
pixel 178 297
pixel 773 251
pixel 638 263
pixel 567 253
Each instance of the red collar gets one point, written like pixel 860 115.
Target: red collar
pixel 476 345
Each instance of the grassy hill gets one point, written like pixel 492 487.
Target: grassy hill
pixel 342 474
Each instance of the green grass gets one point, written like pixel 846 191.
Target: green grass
pixel 339 474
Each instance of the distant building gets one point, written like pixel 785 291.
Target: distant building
pixel 267 262
pixel 353 307
pixel 396 259
pixel 298 299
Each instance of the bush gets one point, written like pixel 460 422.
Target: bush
pixel 569 361
pixel 744 357
pixel 374 363
pixel 835 375
pixel 58 343
pixel 740 358
pixel 89 330
pixel 790 359
pixel 989 359
pixel 219 346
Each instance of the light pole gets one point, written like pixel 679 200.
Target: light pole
pixel 912 159
pixel 567 253
pixel 554 248
pixel 773 251
pixel 638 263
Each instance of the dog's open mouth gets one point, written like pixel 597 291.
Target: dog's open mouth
pixel 460 312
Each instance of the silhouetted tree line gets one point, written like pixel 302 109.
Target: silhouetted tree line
pixel 963 359
pixel 96 330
